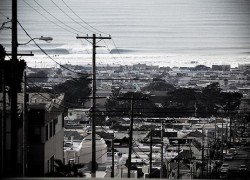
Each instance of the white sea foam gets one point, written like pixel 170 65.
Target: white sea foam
pixel 129 59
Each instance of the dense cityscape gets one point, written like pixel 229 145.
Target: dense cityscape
pixel 168 100
pixel 184 122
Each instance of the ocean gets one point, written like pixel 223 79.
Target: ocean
pixel 158 32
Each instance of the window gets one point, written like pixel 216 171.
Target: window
pixel 62 120
pixel 35 136
pixel 51 164
pixel 54 126
pixel 50 129
pixel 46 132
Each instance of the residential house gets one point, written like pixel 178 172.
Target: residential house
pixel 45 133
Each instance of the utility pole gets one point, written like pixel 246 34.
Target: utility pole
pixel 191 163
pixel 178 160
pixel 210 161
pixel 13 92
pixel 162 134
pixel 93 100
pixel 150 154
pixel 3 127
pixel 131 127
pixel 230 129
pixel 25 129
pixel 113 160
pixel 131 135
pixel 222 140
pixel 202 154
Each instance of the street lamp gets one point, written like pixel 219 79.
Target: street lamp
pixel 46 39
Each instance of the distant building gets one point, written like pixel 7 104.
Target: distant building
pixel 221 67
pixel 77 116
pixel 243 67
pixel 141 67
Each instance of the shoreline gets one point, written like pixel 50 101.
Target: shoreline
pixel 163 60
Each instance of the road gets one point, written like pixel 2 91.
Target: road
pixel 243 157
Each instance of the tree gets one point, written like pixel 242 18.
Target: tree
pixel 67 170
pixel 2 53
pixel 99 117
pixel 120 104
pixel 180 102
pixel 159 86
pixel 38 77
pixel 76 91
pixel 201 68
pixel 230 101
pixel 112 101
pixel 184 102
pixel 210 98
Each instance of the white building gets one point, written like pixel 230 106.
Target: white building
pixel 81 151
pixel 78 116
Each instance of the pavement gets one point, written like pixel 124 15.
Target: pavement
pixel 243 157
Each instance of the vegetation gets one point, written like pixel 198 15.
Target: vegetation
pixel 210 101
pixel 181 102
pixel 76 91
pixel 67 170
pixel 120 104
pixel 38 77
pixel 159 86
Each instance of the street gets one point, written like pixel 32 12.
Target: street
pixel 242 158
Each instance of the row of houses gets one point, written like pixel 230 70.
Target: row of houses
pixel 199 140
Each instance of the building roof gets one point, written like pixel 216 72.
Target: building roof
pixel 174 166
pixel 196 134
pixel 157 133
pixel 105 135
pixel 196 144
pixel 89 137
pixel 45 100
pixel 185 154
pixel 121 128
pixel 76 135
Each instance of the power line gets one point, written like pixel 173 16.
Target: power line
pixel 91 27
pixel 69 16
pixel 4 15
pixel 82 19
pixel 72 20
pixel 57 18
pixel 49 99
pixel 48 18
pixel 45 52
pixel 84 47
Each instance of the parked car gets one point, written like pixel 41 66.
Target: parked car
pixel 228 157
pixel 243 141
pixel 242 168
pixel 224 173
pixel 224 166
pixel 233 151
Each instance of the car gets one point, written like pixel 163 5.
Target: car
pixel 224 173
pixel 228 157
pixel 243 141
pixel 245 134
pixel 224 167
pixel 233 151
pixel 242 167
